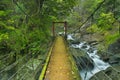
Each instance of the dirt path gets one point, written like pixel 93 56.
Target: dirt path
pixel 59 67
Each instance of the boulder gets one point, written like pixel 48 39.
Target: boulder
pixel 111 73
pixel 115 59
pixel 93 43
pixel 84 63
pixel 115 47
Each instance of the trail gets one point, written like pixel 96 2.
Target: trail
pixel 59 67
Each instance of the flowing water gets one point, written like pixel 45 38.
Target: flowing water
pixel 99 64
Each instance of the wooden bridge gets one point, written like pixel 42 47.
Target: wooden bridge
pixel 59 63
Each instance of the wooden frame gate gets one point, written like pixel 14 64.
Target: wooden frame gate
pixel 65 27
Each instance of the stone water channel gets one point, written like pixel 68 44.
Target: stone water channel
pixel 90 63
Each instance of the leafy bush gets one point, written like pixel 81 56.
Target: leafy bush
pixel 111 38
pixel 92 29
pixel 105 21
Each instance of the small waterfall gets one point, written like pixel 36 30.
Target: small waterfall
pixel 99 64
pixel 69 37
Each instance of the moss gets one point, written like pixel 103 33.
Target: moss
pixel 42 75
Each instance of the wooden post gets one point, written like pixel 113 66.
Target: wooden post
pixel 65 28
pixel 65 25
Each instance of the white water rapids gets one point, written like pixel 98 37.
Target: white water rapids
pixel 99 65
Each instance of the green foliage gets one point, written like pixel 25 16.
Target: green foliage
pixel 111 38
pixel 104 26
pixel 17 40
pixel 93 29
pixel 3 37
pixel 27 24
pixel 90 5
pixel 2 13
pixel 74 19
pixel 60 9
pixel 105 21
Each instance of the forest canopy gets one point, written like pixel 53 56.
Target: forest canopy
pixel 24 22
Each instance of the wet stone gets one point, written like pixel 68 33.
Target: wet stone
pixel 85 63
pixel 84 46
pixel 111 73
pixel 90 50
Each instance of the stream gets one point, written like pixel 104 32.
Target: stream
pixel 99 64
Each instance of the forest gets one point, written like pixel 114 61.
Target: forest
pixel 26 34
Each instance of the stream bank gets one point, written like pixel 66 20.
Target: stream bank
pixel 113 57
pixel 105 56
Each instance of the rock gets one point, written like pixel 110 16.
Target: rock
pixel 106 59
pixel 84 46
pixel 82 59
pixel 75 42
pixel 84 63
pixel 112 73
pixel 87 63
pixel 104 56
pixel 115 59
pixel 90 50
pixel 77 35
pixel 108 72
pixel 93 43
pixel 115 47
pixel 114 53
